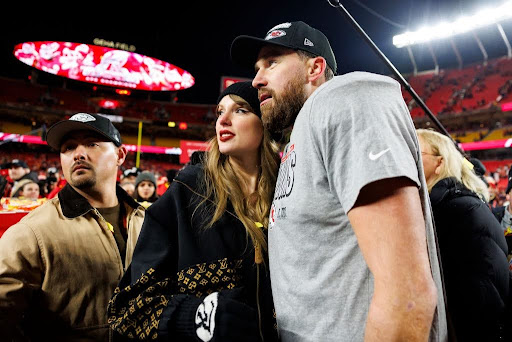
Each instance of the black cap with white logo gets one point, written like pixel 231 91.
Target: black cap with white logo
pixel 17 163
pixel 81 122
pixel 295 35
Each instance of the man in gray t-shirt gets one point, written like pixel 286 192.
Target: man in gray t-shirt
pixel 352 250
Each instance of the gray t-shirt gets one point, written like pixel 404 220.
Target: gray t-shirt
pixel 353 130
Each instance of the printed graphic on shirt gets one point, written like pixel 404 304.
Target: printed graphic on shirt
pixel 205 317
pixel 284 185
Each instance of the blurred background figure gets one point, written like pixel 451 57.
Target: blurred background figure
pixel 26 189
pixel 479 169
pixel 145 188
pixel 504 215
pixel 130 175
pixel 18 170
pixel 129 187
pixel 52 178
pixel 471 242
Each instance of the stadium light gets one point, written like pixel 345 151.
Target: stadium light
pixel 484 17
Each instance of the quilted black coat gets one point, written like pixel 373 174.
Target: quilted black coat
pixel 474 261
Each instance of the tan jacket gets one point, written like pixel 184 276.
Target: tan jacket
pixel 59 267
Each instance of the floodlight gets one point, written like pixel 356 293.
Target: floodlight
pixel 484 17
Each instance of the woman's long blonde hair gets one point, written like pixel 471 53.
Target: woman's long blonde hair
pixel 221 183
pixel 453 164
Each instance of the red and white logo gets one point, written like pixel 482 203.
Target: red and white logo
pixel 272 218
pixel 275 34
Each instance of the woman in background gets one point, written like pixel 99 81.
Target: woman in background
pixel 199 268
pixel 145 188
pixel 471 242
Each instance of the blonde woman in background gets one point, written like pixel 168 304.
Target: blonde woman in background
pixel 471 242
pixel 199 269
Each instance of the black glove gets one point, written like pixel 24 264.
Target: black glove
pixel 222 316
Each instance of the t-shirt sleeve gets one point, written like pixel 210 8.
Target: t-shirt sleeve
pixel 364 133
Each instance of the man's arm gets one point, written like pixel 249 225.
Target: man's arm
pixel 388 222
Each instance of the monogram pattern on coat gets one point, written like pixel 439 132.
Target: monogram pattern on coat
pixel 136 310
pixel 203 279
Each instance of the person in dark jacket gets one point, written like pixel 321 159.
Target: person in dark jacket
pixel 504 215
pixel 471 242
pixel 199 271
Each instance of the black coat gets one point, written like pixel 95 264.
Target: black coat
pixel 474 261
pixel 177 262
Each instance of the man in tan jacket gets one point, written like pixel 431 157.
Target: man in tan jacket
pixel 60 264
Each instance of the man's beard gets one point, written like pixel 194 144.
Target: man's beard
pixel 285 107
pixel 81 182
pixel 84 183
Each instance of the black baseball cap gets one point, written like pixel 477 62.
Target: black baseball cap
pixel 79 122
pixel 134 171
pixel 295 35
pixel 17 163
pixel 246 91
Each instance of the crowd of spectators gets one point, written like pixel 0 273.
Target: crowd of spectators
pixel 42 178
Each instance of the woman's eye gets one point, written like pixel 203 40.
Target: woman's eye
pixel 242 111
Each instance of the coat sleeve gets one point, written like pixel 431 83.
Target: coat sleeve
pixel 21 275
pixel 146 304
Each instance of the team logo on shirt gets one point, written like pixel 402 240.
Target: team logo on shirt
pixel 285 179
pixel 284 185
pixel 272 217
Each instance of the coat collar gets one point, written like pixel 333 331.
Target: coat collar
pixel 448 188
pixel 73 204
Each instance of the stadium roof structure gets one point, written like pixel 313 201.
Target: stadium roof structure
pixel 449 30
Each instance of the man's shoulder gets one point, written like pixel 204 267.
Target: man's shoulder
pixel 43 212
pixel 360 79
pixel 42 217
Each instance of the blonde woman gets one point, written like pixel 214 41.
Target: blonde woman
pixel 199 269
pixel 471 242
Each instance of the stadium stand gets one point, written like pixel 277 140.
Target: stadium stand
pixel 467 102
pixel 456 91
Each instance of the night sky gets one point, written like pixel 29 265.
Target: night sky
pixel 176 34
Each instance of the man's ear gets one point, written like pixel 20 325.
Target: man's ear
pixel 316 68
pixel 121 155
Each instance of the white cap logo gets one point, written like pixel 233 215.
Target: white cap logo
pixel 82 117
pixel 275 34
pixel 280 26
